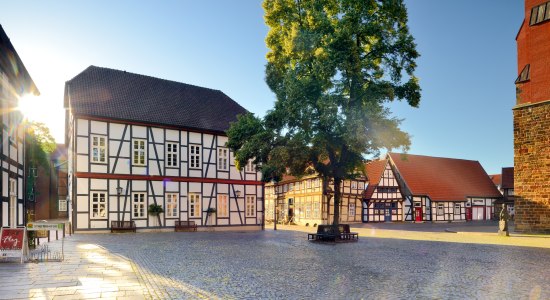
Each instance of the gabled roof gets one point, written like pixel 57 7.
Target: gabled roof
pixel 508 178
pixel 13 67
pixel 444 179
pixel 375 169
pixel 121 95
pixel 496 178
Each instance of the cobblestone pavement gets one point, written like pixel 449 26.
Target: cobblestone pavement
pixel 88 272
pixel 284 265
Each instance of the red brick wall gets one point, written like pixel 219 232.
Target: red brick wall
pixel 532 168
pixel 533 44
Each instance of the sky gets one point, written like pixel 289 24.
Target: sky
pixel 467 66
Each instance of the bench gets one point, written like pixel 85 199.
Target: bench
pixel 185 226
pixel 327 233
pixel 123 226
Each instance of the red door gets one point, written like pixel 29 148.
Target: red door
pixel 468 213
pixel 418 214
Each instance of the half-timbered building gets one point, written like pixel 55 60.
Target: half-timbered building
pixel 406 187
pixel 302 201
pixel 135 140
pixel 15 82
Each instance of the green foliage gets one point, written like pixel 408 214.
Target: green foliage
pixel 40 144
pixel 155 209
pixel 333 65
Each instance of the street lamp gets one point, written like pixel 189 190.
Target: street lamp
pixel 328 193
pixel 118 193
pixel 238 193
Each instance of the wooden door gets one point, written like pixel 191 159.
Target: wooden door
pixel 418 214
pixel 468 213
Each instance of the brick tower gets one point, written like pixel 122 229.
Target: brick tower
pixel 532 120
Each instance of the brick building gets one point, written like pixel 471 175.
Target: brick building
pixel 532 120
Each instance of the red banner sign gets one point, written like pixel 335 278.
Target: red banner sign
pixel 12 238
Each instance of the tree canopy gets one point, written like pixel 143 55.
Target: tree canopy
pixel 332 65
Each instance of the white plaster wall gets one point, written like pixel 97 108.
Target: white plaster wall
pixel 139 132
pixel 98 127
pixel 82 127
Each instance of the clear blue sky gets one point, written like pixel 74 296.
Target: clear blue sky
pixel 467 68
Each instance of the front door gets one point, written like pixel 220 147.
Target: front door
pixel 468 213
pixel 387 214
pixel 479 212
pixel 13 203
pixel 418 214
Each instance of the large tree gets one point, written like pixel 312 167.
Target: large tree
pixel 333 65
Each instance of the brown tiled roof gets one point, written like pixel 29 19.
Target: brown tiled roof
pixel 375 169
pixel 496 178
pixel 121 95
pixel 444 179
pixel 508 178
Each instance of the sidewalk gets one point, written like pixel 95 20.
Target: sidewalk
pixel 88 272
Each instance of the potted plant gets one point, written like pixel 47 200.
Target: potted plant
pixel 155 209
pixel 211 210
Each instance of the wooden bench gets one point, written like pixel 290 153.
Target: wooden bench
pixel 327 233
pixel 185 226
pixel 123 226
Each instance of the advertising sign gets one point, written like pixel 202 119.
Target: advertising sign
pixel 12 238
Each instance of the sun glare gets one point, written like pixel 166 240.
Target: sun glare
pixel 29 105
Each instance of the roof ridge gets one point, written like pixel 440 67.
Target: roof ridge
pixel 440 157
pixel 146 76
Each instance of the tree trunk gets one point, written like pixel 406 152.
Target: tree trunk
pixel 337 196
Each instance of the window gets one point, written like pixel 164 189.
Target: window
pixel 223 206
pixel 194 205
pixel 99 206
pixel 250 206
pixel 440 209
pixel 139 152
pixel 138 205
pixel 172 154
pixel 291 186
pixel 62 205
pixel 316 209
pixel 354 185
pixel 249 167
pixel 223 159
pixel 361 185
pixel 457 209
pixel 99 149
pixel 297 186
pixel 540 13
pixel 194 156
pixel 351 210
pixel 309 183
pixel 510 192
pixel 317 182
pixel 285 188
pixel 524 75
pixel 308 210
pixel 172 205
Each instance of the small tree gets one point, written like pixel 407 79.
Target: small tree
pixel 332 64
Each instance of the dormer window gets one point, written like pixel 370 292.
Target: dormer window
pixel 540 13
pixel 524 75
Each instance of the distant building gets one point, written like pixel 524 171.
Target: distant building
pixel 532 120
pixel 302 201
pixel 15 82
pixel 51 187
pixel 135 140
pixel 497 180
pixel 407 187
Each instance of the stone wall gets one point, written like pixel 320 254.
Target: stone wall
pixel 532 167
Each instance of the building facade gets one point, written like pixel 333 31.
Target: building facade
pixel 135 140
pixel 51 190
pixel 532 120
pixel 15 82
pixel 302 201
pixel 416 188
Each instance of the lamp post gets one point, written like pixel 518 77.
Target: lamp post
pixel 328 193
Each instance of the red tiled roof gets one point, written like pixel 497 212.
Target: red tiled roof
pixel 444 179
pixel 375 169
pixel 496 178
pixel 508 178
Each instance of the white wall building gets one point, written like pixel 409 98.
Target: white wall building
pixel 161 142
pixel 15 82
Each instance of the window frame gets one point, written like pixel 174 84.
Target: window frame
pixel 440 209
pixel 172 154
pixel 223 206
pixel 539 13
pixel 141 205
pixel 194 205
pixel 99 147
pixel 351 208
pixel 223 159
pixel 250 206
pixel 94 210
pixel 194 157
pixel 139 153
pixel 249 167
pixel 459 207
pixel 172 199
pixel 524 75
